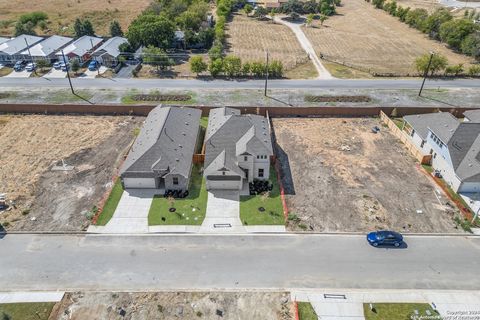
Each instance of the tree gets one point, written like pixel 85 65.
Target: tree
pixel 75 65
pixel 453 32
pixel 232 66
pixel 258 69
pixel 378 3
pixel 273 13
pixel 260 12
pixel 27 28
pixel 126 47
pixel 248 9
pixel 471 45
pixel 43 64
pixel 309 19
pixel 455 69
pixel 83 28
pixel 416 18
pixel 197 65
pixel 435 20
pixel 439 63
pixel 151 30
pixel 292 6
pixel 216 51
pixel 294 16
pixel 215 67
pixel 246 69
pixel 116 29
pixel 156 57
pixel 275 69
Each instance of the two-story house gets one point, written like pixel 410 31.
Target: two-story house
pixel 454 146
pixel 237 149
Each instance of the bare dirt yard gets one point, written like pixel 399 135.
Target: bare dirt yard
pixel 339 176
pixel 249 38
pixel 62 13
pixel 174 305
pixel 370 39
pixel 47 200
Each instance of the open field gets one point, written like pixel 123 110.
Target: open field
pixel 371 39
pixel 339 176
pixel 62 13
pixel 26 311
pixel 175 305
pixel 58 200
pixel 249 38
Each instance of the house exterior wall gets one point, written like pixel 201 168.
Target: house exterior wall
pixel 182 182
pixel 247 165
pixel 262 164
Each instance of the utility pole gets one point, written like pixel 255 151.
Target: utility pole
pixel 68 73
pixel 97 64
pixel 426 72
pixel 266 76
pixel 30 54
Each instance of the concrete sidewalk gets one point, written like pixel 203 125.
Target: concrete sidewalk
pixel 348 305
pixel 22 297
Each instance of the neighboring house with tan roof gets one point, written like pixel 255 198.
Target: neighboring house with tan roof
pixel 161 157
pixel 237 149
pixel 472 115
pixel 454 146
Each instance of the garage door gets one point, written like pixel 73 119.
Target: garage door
pixel 225 185
pixel 139 183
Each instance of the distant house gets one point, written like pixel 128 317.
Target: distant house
pixel 179 39
pixel 46 49
pixel 80 49
pixel 108 53
pixel 237 149
pixel 454 146
pixel 11 50
pixel 161 157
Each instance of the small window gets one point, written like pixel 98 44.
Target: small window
pixel 421 145
pixel 434 155
pixel 245 158
pixel 260 173
pixel 175 181
pixel 258 157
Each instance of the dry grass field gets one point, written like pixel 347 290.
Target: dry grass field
pixel 62 13
pixel 249 38
pixel 368 38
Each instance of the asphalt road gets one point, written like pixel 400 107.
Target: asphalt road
pixel 99 83
pixel 176 262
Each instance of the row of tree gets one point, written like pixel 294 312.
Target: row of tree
pixel 232 66
pixel 440 64
pixel 224 9
pixel 461 35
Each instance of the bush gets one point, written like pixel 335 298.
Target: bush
pixel 197 65
pixel 455 69
pixel 416 18
pixel 471 45
pixel 453 32
pixel 258 69
pixel 33 17
pixel 439 63
pixel 232 66
pixel 215 67
pixel 474 71
pixel 275 69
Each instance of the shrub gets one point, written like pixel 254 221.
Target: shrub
pixel 474 71
pixel 197 65
pixel 439 63
pixel 455 69
pixel 215 67
pixel 232 66
pixel 453 32
pixel 33 17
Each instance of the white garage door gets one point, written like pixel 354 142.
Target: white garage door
pixel 139 183
pixel 225 185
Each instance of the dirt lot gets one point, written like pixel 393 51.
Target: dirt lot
pixel 249 38
pixel 58 200
pixel 169 306
pixel 62 13
pixel 371 39
pixel 339 176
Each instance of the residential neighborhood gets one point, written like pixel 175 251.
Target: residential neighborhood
pixel 240 160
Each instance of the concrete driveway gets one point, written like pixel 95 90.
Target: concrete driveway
pixel 223 213
pixel 88 74
pixel 131 215
pixel 19 74
pixel 54 73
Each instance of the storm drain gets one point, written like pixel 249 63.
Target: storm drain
pixel 222 225
pixel 334 296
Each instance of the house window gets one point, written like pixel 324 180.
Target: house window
pixel 175 181
pixel 421 145
pixel 260 173
pixel 434 155
pixel 258 157
pixel 245 158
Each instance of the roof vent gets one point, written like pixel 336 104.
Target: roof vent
pixel 184 134
pixel 180 146
pixel 186 123
pixel 177 159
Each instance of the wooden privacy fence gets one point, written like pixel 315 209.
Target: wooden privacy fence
pixel 417 153
pixel 198 158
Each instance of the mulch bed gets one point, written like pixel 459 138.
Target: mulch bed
pixel 337 99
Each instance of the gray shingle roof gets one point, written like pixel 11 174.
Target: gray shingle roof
pixel 472 115
pixel 443 124
pixel 464 148
pixel 48 46
pixel 232 133
pixel 17 44
pixel 165 143
pixel 81 46
pixel 110 47
pixel 2 40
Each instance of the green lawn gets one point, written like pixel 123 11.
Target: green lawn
pixel 398 311
pixel 398 122
pixel 111 204
pixel 184 213
pixel 204 122
pixel 26 311
pixel 306 312
pixel 273 214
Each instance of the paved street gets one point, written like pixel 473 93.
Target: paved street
pixel 168 262
pixel 117 83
